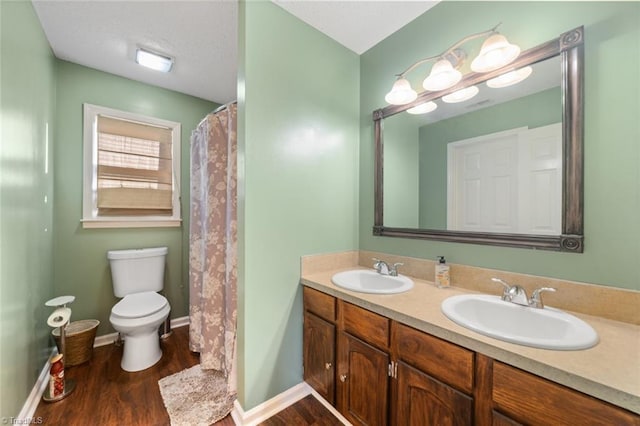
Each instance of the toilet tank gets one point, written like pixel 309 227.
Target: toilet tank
pixel 137 270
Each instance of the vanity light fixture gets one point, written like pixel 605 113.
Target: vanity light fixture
pixel 442 76
pixel 153 60
pixel 423 108
pixel 461 95
pixel 510 78
pixel 401 93
pixel 495 53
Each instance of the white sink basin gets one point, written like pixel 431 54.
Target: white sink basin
pixel 369 281
pixel 546 328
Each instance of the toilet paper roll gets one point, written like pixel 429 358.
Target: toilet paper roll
pixel 59 317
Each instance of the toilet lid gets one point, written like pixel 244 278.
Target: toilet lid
pixel 139 305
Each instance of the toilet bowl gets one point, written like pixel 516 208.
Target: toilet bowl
pixel 137 318
pixel 137 275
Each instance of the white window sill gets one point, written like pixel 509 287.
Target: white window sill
pixel 131 223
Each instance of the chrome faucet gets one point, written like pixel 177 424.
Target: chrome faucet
pixel 383 267
pixel 536 300
pixel 518 295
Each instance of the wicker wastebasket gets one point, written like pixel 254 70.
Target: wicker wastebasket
pixel 79 337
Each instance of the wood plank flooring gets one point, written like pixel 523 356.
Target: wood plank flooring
pixel 308 411
pixel 107 395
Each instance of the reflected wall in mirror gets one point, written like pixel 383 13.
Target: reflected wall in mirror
pixel 502 168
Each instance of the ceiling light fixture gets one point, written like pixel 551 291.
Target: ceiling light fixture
pixel 153 60
pixel 510 78
pixel 495 53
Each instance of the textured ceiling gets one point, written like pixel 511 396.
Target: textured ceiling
pixel 200 35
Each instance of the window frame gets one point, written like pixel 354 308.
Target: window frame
pixel 90 218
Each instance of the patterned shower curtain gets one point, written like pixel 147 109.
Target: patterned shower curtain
pixel 213 241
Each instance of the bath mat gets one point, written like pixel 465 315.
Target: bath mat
pixel 196 397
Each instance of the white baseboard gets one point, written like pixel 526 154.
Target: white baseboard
pixel 29 407
pixel 278 403
pixel 261 412
pixel 107 339
pixel 180 322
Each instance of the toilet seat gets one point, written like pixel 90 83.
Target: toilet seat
pixel 139 305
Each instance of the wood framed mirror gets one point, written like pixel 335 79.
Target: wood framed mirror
pixel 567 53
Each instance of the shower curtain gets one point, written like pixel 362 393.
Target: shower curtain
pixel 213 242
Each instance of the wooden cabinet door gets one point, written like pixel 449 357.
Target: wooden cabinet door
pixel 363 385
pixel 319 355
pixel 421 400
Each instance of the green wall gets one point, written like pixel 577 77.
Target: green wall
pixel 27 92
pixel 612 153
pixel 532 111
pixel 80 263
pixel 298 157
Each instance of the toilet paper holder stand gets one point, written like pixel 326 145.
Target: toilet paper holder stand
pixel 59 319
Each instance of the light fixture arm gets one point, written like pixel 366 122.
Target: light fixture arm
pixel 417 64
pixel 450 50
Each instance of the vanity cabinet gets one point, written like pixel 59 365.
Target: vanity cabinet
pixel 388 373
pixel 319 342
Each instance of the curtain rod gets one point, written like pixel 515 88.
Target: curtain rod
pixel 220 108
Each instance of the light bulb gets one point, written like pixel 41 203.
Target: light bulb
pixel 461 95
pixel 510 78
pixel 423 108
pixel 495 53
pixel 401 93
pixel 442 76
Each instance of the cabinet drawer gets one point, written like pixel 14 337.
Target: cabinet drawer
pixel 370 327
pixel 443 360
pixel 320 304
pixel 520 395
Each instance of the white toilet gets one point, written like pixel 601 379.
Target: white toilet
pixel 137 276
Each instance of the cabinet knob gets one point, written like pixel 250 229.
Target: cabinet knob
pixel 327 366
pixel 343 377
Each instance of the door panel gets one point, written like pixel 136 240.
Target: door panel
pixel 319 353
pixel 424 401
pixel 363 382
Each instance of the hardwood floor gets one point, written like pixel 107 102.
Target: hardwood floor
pixel 306 412
pixel 107 395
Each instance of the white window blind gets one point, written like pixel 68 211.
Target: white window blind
pixel 134 173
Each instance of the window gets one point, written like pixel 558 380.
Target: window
pixel 131 170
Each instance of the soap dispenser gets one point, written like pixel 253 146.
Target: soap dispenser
pixel 442 273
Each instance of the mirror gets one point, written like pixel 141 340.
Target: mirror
pixel 503 168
